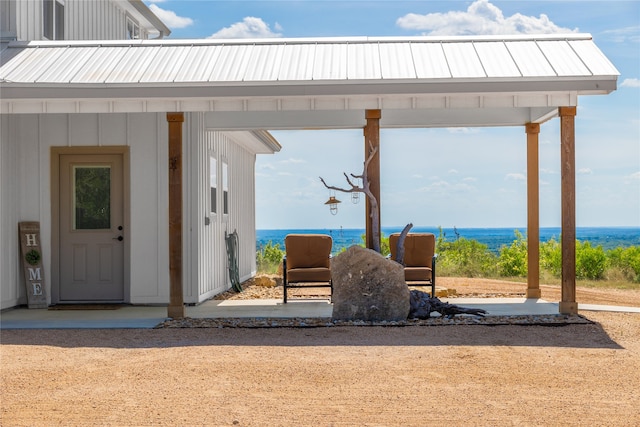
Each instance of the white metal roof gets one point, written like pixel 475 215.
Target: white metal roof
pixel 419 81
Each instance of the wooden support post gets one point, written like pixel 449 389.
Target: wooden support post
pixel 568 304
pixel 372 141
pixel 533 212
pixel 176 301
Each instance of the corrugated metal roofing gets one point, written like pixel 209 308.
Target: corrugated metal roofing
pixel 298 61
pixel 310 83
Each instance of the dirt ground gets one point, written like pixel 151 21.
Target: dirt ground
pixel 586 374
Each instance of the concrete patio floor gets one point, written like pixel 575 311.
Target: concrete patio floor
pixel 144 317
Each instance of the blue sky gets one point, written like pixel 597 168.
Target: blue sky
pixel 464 177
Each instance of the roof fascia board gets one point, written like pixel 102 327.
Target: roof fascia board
pixel 255 141
pixel 435 118
pixel 327 119
pixel 289 41
pixel 583 86
pixel 341 105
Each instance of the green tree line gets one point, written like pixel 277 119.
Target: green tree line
pixel 470 258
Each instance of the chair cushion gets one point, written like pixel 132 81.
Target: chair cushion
pixel 314 274
pixel 417 274
pixel 419 248
pixel 308 251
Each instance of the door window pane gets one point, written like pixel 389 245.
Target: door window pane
pixel 92 197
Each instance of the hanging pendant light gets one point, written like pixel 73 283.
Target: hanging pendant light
pixel 355 195
pixel 333 204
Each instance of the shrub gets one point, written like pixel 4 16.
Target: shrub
pixel 268 258
pixel 551 257
pixel 513 259
pixel 626 260
pixel 384 244
pixel 590 262
pixel 465 258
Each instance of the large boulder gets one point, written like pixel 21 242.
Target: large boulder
pixel 367 286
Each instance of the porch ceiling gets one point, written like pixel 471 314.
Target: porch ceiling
pixel 311 83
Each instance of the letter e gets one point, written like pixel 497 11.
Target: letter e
pixel 37 288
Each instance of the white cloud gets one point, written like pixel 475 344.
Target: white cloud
pixel 293 161
pixel 470 179
pixel 481 18
pixel 438 186
pixel 635 175
pixel 630 83
pixel 463 130
pixel 416 175
pixel 444 187
pixel 624 35
pixel 170 18
pixel 515 177
pixel 250 27
pixel 585 171
pixel 453 171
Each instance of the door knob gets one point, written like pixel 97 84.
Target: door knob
pixel 119 238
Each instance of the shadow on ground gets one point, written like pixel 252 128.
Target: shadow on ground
pixel 588 336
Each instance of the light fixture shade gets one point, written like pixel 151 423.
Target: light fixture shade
pixel 332 201
pixel 333 205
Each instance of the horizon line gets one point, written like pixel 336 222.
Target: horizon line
pixel 450 227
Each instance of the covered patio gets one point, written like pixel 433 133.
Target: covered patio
pixel 368 83
pixel 247 313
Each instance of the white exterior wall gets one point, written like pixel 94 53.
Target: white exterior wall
pixel 21 199
pixel 94 20
pixel 84 20
pixel 208 271
pixel 25 195
pixel 25 171
pixel 9 214
pixel 147 135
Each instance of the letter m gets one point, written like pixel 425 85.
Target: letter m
pixel 34 274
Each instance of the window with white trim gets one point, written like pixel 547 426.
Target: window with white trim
pixel 53 19
pixel 133 29
pixel 213 185
pixel 225 189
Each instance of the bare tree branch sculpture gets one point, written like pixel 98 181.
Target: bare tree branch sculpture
pixel 373 202
pixel 400 247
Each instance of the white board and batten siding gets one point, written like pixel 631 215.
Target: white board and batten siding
pixel 25 170
pixel 207 245
pixel 84 20
pixel 25 160
pixel 10 285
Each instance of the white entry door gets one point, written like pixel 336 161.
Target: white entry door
pixel 91 228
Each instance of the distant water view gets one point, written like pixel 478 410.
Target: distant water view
pixel 494 238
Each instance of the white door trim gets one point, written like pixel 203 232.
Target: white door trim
pixel 56 152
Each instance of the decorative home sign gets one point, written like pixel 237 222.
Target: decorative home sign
pixel 32 264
